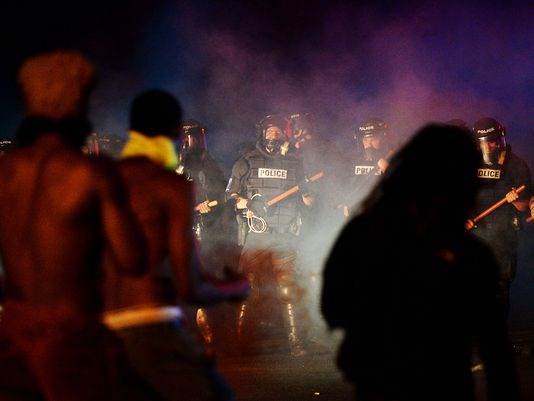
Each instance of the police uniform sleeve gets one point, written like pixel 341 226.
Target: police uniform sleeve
pixel 237 178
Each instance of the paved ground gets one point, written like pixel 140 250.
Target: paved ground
pixel 285 378
pixel 282 377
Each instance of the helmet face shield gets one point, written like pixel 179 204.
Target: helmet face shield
pixel 490 135
pixel 272 133
pixel 301 125
pixel 371 138
pixel 490 147
pixel 372 147
pixel 194 139
pixel 273 139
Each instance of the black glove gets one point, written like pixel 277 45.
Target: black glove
pixel 257 206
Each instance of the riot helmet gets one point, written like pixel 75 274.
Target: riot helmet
pixel 372 138
pixel 194 137
pixel 490 135
pixel 272 133
pixel 302 128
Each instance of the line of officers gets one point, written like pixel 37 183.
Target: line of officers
pixel 288 195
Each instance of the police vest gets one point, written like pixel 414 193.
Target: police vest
pixel 269 177
pixel 496 182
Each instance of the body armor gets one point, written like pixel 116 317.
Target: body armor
pixel 269 177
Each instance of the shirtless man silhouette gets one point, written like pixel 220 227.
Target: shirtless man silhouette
pixel 61 214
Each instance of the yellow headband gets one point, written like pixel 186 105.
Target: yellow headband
pixel 159 149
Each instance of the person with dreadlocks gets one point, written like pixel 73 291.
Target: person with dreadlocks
pixel 416 309
pixel 62 213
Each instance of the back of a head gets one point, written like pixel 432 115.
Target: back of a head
pixel 56 85
pixel 156 112
pixel 439 161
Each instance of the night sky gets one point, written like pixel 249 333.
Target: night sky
pixel 232 62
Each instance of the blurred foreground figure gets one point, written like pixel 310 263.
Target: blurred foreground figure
pixel 416 306
pixel 144 311
pixel 61 213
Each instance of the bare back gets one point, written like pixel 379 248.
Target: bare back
pixel 162 202
pixel 52 236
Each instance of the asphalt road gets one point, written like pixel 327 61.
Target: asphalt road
pixel 279 376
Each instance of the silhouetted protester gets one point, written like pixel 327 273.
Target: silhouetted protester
pixel 144 311
pixel 424 294
pixel 500 173
pixel 61 213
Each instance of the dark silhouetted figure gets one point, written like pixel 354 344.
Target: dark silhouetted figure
pixel 146 312
pixel 61 214
pixel 423 296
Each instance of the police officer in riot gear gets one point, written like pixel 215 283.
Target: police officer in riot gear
pixel 322 220
pixel 214 223
pixel 373 150
pixel 269 251
pixel 501 172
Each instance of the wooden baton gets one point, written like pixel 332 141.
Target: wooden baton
pixel 495 206
pixel 292 190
